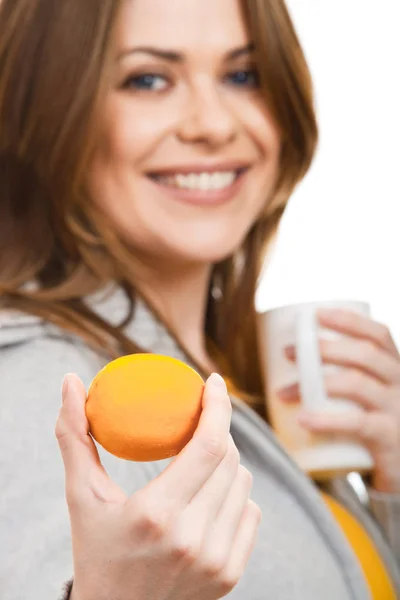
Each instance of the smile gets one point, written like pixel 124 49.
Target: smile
pixel 202 185
pixel 204 182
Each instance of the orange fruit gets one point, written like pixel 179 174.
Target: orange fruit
pixel 144 407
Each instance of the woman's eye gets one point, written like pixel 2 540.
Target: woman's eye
pixel 147 81
pixel 244 78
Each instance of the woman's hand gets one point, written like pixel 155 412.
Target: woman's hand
pixel 371 378
pixel 187 535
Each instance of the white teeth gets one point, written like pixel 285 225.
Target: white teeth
pixel 202 181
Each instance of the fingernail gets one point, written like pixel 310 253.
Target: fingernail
pixel 64 389
pixel 289 393
pixel 217 381
pixel 66 386
pixel 290 352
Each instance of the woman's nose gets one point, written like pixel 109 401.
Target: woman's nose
pixel 208 118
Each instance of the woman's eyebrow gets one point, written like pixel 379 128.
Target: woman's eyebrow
pixel 238 52
pixel 179 57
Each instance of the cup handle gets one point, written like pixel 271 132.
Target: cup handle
pixel 311 377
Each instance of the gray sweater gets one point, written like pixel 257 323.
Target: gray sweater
pixel 300 555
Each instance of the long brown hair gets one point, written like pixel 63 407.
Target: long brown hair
pixel 54 58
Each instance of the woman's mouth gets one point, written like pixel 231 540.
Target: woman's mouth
pixel 207 188
pixel 200 181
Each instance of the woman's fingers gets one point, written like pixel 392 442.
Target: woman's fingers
pixel 72 431
pixel 163 528
pixel 375 430
pixel 217 508
pixel 231 513
pixel 84 475
pixel 364 390
pixel 364 355
pixel 359 387
pixel 243 545
pixel 358 354
pixel 193 467
pixel 358 326
pixel 195 526
pixel 212 496
pixel 224 547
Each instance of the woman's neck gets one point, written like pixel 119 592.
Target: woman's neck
pixel 180 297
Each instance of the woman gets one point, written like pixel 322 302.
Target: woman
pixel 148 150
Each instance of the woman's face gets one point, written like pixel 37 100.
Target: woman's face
pixel 189 154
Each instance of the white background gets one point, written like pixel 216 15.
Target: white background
pixel 340 237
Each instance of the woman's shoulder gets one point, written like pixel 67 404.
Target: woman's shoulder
pixel 38 353
pixel 17 327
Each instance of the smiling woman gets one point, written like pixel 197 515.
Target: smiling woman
pixel 198 147
pixel 147 152
pixel 186 130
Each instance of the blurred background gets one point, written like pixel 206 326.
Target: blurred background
pixel 340 237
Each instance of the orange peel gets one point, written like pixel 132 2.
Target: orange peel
pixel 144 407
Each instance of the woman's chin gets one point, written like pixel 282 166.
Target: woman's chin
pixel 210 253
pixel 189 244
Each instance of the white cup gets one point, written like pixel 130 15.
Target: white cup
pixel 322 456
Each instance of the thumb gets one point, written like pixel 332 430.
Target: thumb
pixel 72 430
pixel 84 474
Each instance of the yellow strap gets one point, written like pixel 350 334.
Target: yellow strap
pixel 375 572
